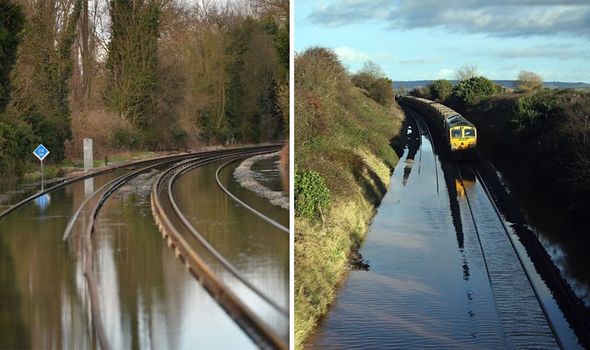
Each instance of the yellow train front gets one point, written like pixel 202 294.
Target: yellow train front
pixel 461 135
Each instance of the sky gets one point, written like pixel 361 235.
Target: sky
pixel 431 39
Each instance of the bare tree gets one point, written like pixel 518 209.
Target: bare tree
pixel 529 81
pixel 466 72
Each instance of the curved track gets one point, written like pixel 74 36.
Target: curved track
pixel 174 225
pixel 244 204
pixel 176 165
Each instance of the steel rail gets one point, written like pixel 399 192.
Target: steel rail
pixel 244 204
pixel 483 254
pixel 203 241
pixel 520 259
pixel 507 232
pixel 105 171
pixel 252 325
pixel 111 187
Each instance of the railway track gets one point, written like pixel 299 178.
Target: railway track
pixel 177 231
pixel 172 168
pixel 499 274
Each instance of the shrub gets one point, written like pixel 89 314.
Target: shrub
pixel 440 89
pixel 381 91
pixel 468 90
pixel 532 110
pixel 17 142
pixel 125 138
pixel 311 194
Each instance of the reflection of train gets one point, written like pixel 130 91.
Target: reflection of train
pixel 460 134
pixel 462 186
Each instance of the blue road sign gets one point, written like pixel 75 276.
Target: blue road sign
pixel 41 152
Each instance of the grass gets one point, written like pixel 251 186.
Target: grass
pixel 345 137
pixel 51 171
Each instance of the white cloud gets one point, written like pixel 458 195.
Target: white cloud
pixel 350 55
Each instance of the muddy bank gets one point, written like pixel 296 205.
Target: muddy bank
pixel 250 178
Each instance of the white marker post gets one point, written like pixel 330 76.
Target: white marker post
pixel 41 153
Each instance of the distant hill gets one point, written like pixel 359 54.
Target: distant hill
pixel 411 84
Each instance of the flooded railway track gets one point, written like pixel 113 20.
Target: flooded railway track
pixel 445 269
pixel 163 202
pixel 85 218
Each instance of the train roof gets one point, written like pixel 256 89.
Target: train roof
pixel 458 120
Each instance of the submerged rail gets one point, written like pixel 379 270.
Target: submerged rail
pixel 252 325
pixel 242 203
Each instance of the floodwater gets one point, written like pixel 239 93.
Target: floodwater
pixel 42 291
pixel 258 250
pixel 432 281
pixel 568 251
pixel 147 298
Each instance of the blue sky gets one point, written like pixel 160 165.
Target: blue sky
pixel 430 39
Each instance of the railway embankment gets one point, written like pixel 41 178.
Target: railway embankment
pixel 541 143
pixel 343 166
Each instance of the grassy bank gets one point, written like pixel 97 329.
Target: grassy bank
pixel 537 140
pixel 343 137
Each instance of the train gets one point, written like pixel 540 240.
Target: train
pixel 460 135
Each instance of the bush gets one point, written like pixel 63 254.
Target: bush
pixel 311 194
pixel 381 91
pixel 125 138
pixel 319 71
pixel 421 91
pixel 16 142
pixel 468 90
pixel 440 89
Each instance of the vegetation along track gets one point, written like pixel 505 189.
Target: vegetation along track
pixel 245 318
pixel 177 231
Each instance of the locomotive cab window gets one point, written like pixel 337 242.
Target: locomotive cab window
pixel 456 132
pixel 468 132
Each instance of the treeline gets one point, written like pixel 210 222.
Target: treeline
pixel 144 74
pixel 343 126
pixel 533 133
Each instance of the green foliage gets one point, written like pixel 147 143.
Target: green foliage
pixel 311 194
pixel 470 89
pixel 16 142
pixel 533 110
pixel 51 130
pixel 125 138
pixel 252 108
pixel 440 89
pixel 133 60
pixel 342 142
pixel 42 71
pixel 12 21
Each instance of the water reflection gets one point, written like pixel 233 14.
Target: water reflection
pixel 149 299
pixel 42 202
pixel 88 186
pixel 422 291
pixel 258 250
